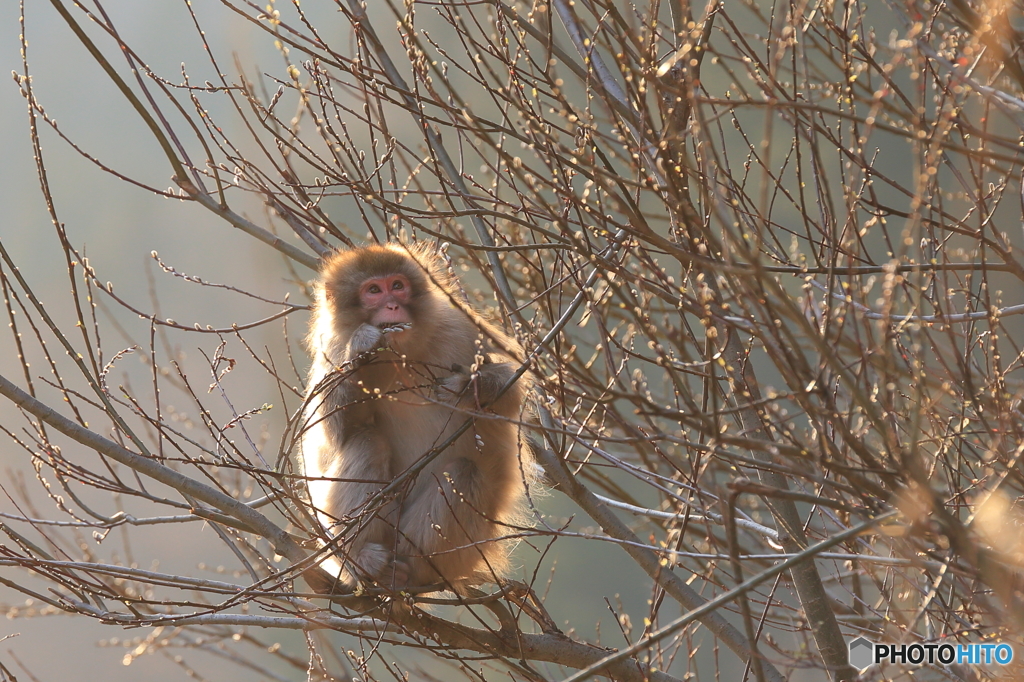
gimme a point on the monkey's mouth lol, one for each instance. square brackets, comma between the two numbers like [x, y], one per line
[396, 327]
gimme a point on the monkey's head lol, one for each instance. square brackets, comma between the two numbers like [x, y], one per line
[383, 286]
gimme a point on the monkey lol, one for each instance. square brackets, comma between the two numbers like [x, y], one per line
[399, 363]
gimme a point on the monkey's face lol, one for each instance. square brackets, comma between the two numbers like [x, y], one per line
[386, 300]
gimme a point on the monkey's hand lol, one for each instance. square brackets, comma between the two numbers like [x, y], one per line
[452, 388]
[476, 389]
[365, 339]
[491, 378]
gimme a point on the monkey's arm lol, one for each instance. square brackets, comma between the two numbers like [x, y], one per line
[349, 402]
[339, 397]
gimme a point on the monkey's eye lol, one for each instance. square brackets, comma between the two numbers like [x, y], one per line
[398, 285]
[373, 289]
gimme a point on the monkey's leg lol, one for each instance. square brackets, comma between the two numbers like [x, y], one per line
[360, 470]
[446, 530]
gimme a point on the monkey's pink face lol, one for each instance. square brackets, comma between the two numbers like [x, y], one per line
[386, 300]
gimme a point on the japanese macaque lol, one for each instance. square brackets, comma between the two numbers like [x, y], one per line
[399, 365]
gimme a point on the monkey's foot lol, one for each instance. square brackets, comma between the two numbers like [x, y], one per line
[379, 564]
[395, 576]
[373, 559]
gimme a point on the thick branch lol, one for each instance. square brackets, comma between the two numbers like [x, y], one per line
[550, 648]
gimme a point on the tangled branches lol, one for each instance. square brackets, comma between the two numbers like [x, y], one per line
[764, 263]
